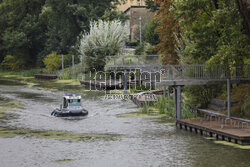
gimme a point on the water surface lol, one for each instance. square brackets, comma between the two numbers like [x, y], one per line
[128, 141]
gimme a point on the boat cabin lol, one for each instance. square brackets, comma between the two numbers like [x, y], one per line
[70, 101]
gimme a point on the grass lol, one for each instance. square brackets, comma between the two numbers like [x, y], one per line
[66, 74]
[145, 108]
[166, 106]
[25, 73]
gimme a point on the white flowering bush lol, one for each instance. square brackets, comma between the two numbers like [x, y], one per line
[105, 38]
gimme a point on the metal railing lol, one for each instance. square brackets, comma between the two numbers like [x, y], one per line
[133, 60]
[177, 72]
[201, 71]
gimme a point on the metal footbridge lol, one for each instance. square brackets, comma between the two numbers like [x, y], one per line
[179, 75]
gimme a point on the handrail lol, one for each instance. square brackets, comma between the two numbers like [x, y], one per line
[222, 115]
[176, 72]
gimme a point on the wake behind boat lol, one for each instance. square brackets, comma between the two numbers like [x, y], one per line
[71, 107]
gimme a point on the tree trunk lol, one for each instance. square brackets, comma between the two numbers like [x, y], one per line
[244, 8]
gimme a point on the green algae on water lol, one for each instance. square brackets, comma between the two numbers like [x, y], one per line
[11, 104]
[63, 160]
[8, 105]
[58, 135]
[164, 120]
[139, 114]
[246, 147]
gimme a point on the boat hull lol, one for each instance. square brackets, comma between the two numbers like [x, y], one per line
[68, 113]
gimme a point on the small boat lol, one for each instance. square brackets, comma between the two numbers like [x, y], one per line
[71, 107]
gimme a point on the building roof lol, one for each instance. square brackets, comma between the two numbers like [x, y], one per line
[126, 10]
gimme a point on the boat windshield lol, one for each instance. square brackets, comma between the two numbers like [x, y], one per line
[74, 103]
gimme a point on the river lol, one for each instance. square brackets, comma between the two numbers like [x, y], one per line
[103, 138]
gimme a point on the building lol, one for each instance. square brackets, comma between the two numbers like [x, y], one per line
[139, 16]
[129, 3]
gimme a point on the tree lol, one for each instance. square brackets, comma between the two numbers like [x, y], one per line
[244, 8]
[151, 35]
[67, 19]
[21, 33]
[213, 32]
[32, 29]
[168, 30]
[104, 38]
[150, 4]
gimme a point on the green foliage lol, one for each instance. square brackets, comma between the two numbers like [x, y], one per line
[64, 27]
[150, 49]
[145, 108]
[212, 32]
[145, 20]
[32, 29]
[245, 108]
[151, 5]
[21, 33]
[166, 106]
[53, 61]
[145, 49]
[199, 96]
[140, 49]
[104, 38]
[12, 63]
[110, 15]
[151, 35]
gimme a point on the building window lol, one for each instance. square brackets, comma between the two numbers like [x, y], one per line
[139, 3]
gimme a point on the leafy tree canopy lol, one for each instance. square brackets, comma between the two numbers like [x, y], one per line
[32, 29]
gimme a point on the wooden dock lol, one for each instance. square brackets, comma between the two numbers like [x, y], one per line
[45, 76]
[223, 129]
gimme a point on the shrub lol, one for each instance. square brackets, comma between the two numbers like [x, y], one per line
[140, 49]
[104, 38]
[245, 109]
[150, 49]
[53, 61]
[199, 96]
[12, 63]
[145, 49]
[166, 106]
[151, 36]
